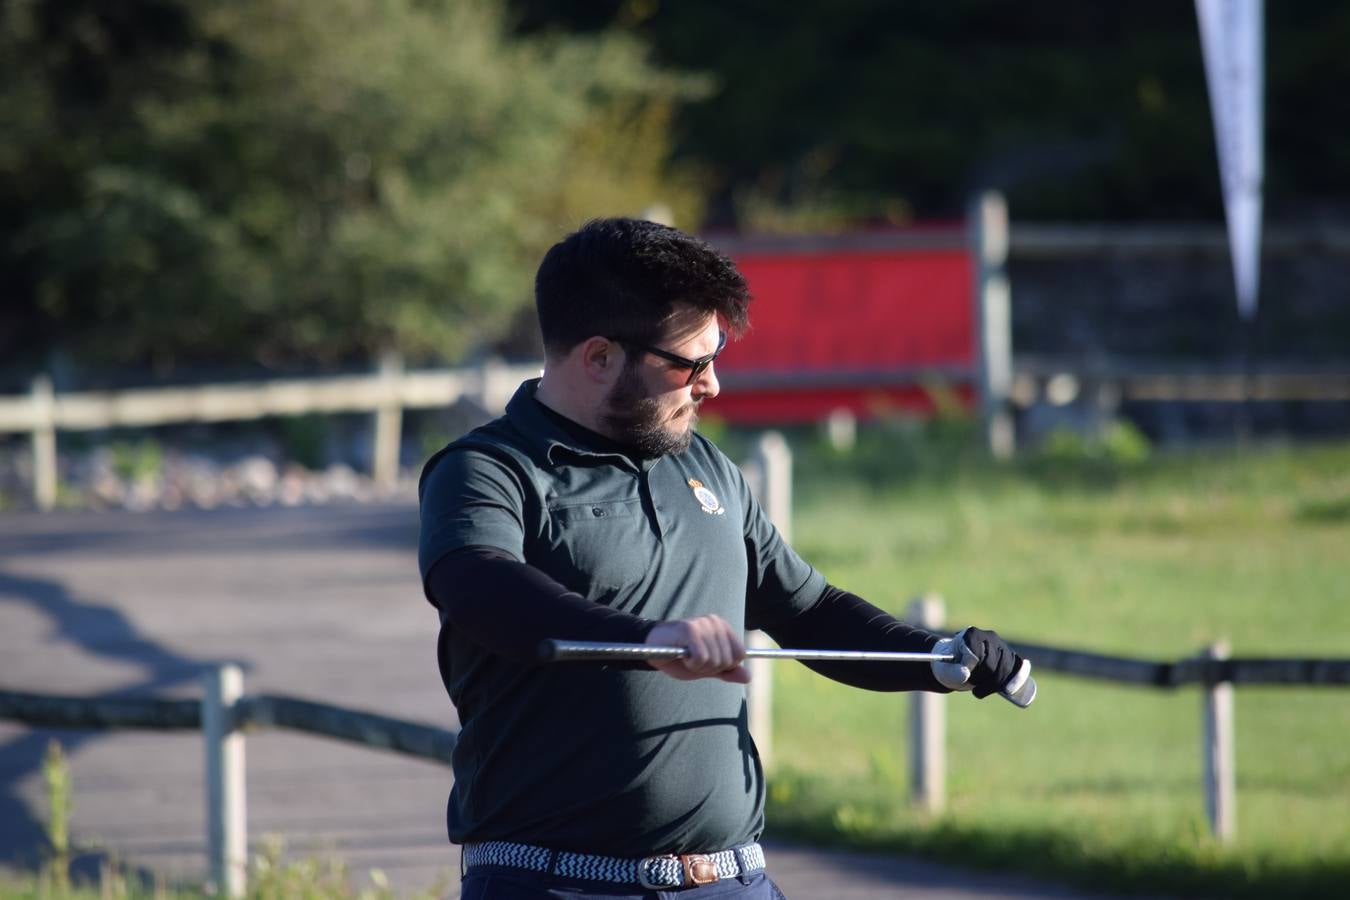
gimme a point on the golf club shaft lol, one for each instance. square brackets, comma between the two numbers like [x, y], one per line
[560, 651]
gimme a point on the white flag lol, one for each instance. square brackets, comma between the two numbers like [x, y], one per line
[1231, 36]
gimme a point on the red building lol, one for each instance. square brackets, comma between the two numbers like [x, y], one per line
[860, 321]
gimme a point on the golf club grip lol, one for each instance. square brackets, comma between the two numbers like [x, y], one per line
[554, 650]
[1021, 688]
[1020, 693]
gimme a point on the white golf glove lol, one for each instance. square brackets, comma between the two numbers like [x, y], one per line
[955, 675]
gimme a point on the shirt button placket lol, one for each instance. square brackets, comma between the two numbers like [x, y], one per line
[649, 502]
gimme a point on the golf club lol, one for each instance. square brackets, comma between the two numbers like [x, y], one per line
[1020, 690]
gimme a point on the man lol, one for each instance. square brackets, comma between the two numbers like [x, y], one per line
[593, 511]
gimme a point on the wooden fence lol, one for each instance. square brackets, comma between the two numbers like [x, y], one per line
[225, 713]
[1212, 669]
[42, 413]
[385, 393]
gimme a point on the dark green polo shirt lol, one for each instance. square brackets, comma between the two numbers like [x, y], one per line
[589, 757]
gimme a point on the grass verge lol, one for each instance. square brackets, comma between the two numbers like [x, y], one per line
[1141, 554]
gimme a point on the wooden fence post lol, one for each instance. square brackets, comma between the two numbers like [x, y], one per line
[774, 459]
[993, 319]
[841, 428]
[497, 384]
[388, 421]
[1220, 766]
[226, 819]
[44, 443]
[927, 722]
[770, 472]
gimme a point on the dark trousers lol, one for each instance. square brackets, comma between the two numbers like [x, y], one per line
[487, 883]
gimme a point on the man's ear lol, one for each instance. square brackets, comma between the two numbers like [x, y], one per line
[601, 359]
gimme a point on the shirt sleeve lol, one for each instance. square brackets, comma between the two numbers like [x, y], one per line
[838, 620]
[469, 498]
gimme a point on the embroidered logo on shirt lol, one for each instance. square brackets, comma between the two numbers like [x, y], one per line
[707, 499]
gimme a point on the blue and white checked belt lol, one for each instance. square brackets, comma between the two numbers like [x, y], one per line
[658, 872]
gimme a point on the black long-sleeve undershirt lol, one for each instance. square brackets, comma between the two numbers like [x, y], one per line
[509, 607]
[840, 620]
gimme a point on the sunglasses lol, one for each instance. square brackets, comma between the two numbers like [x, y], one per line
[696, 367]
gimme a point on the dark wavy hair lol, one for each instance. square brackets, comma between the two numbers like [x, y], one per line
[623, 278]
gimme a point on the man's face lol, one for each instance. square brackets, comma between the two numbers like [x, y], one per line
[653, 407]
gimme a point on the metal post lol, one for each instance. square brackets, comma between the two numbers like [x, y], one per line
[772, 468]
[927, 722]
[388, 421]
[993, 320]
[226, 819]
[44, 442]
[1220, 765]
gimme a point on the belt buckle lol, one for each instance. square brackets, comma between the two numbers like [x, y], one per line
[698, 869]
[645, 880]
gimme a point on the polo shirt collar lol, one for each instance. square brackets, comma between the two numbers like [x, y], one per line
[555, 441]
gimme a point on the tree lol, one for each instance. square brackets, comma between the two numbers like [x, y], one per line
[297, 183]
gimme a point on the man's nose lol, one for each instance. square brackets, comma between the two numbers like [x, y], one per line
[706, 385]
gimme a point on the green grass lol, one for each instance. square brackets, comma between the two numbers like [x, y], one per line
[1096, 782]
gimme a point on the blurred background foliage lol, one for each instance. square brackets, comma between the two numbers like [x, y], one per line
[302, 185]
[878, 110]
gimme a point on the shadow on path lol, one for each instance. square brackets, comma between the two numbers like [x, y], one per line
[101, 631]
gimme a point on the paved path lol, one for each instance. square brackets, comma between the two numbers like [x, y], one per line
[318, 602]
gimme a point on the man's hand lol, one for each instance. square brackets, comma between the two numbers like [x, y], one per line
[986, 662]
[715, 649]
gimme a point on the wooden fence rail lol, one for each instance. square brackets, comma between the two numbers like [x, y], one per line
[275, 710]
[369, 729]
[100, 713]
[1251, 671]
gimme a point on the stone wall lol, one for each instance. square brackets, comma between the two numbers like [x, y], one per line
[1106, 300]
[1127, 296]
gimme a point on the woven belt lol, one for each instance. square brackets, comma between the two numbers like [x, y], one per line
[656, 872]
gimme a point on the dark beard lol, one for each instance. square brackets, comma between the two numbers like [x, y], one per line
[634, 419]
